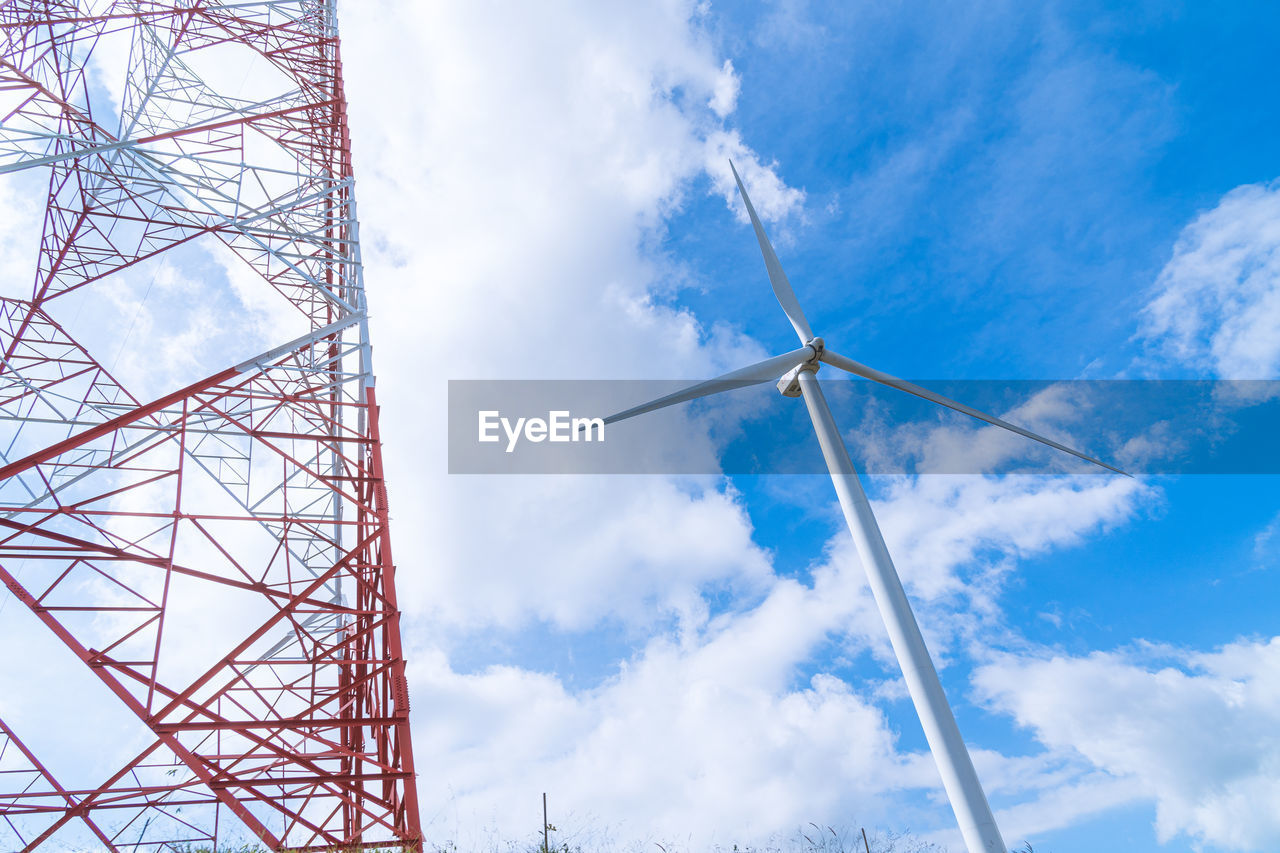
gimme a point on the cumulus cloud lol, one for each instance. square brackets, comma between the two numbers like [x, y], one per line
[955, 538]
[512, 182]
[575, 552]
[1196, 731]
[1216, 304]
[770, 196]
[706, 728]
[955, 542]
[544, 157]
[688, 740]
[940, 525]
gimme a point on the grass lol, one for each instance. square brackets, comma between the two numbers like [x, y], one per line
[809, 839]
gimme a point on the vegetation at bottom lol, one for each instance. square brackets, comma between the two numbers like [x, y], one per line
[809, 839]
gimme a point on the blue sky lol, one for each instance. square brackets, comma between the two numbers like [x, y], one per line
[957, 191]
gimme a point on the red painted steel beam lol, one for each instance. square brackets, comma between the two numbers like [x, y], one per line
[74, 807]
[351, 737]
[72, 442]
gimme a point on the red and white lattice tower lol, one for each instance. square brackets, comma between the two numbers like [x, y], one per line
[218, 556]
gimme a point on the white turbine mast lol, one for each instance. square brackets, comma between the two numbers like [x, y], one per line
[799, 369]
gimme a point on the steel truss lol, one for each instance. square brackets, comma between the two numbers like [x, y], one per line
[261, 483]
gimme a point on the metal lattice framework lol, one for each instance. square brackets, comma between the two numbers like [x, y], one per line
[256, 492]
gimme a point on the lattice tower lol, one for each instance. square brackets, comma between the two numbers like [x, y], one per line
[217, 556]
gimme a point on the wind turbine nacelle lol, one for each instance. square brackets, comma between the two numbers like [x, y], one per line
[789, 384]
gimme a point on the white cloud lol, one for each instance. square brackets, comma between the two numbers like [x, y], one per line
[512, 182]
[576, 551]
[725, 97]
[955, 542]
[789, 22]
[960, 534]
[543, 157]
[770, 196]
[1063, 800]
[688, 743]
[21, 209]
[1197, 732]
[1216, 305]
[955, 537]
[704, 730]
[1266, 544]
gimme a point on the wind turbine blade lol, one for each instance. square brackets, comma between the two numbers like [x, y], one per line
[770, 368]
[859, 369]
[777, 278]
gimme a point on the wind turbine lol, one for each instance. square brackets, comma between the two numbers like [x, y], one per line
[799, 369]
